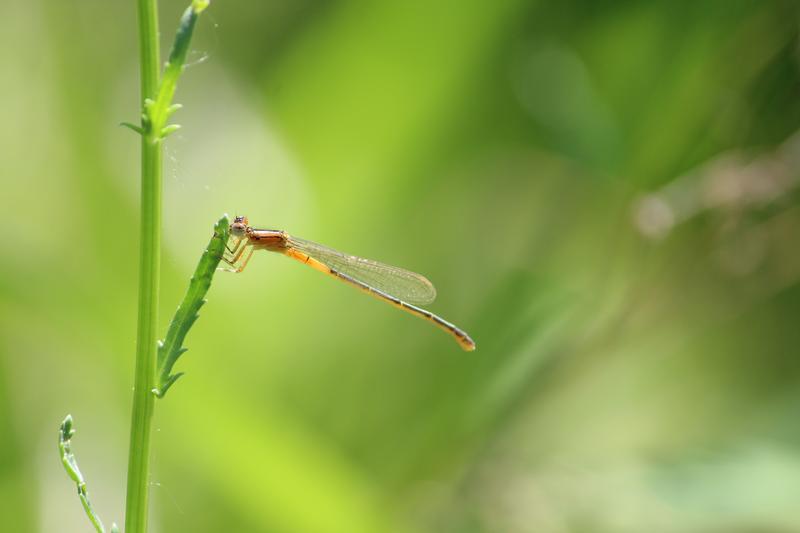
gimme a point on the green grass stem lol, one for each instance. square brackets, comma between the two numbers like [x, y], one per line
[136, 503]
[156, 109]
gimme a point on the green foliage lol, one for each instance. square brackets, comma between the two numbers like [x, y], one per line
[156, 112]
[65, 435]
[171, 348]
[157, 108]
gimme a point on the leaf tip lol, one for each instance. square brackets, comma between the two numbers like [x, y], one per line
[173, 108]
[161, 392]
[166, 131]
[198, 6]
[67, 431]
[133, 127]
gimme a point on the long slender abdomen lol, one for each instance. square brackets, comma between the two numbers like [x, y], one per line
[459, 335]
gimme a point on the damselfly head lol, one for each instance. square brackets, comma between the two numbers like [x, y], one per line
[239, 226]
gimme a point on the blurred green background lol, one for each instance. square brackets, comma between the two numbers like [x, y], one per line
[605, 194]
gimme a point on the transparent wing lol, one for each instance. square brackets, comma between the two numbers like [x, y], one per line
[398, 282]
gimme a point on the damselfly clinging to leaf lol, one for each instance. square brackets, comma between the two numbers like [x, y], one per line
[393, 285]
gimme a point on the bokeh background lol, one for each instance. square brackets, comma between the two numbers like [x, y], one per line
[605, 194]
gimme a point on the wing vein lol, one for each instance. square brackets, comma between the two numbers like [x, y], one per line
[398, 282]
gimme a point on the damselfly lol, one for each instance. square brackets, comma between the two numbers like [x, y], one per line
[393, 285]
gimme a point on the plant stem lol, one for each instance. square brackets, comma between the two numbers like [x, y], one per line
[136, 504]
[71, 466]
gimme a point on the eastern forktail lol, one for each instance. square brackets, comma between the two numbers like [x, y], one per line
[393, 285]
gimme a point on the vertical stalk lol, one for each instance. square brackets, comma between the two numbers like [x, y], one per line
[136, 505]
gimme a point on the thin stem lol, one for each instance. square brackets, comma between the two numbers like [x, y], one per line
[157, 107]
[149, 53]
[136, 504]
[71, 466]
